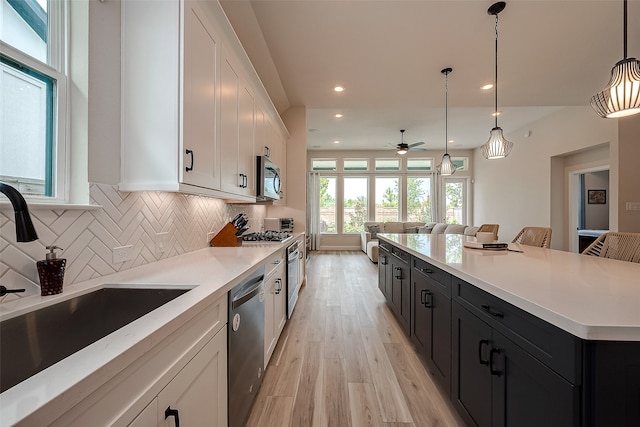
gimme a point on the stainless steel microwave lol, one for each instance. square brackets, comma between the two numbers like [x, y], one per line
[268, 176]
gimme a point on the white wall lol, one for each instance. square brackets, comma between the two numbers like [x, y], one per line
[516, 191]
[295, 119]
[596, 215]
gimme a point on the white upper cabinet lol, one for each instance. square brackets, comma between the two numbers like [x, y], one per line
[237, 113]
[200, 102]
[189, 102]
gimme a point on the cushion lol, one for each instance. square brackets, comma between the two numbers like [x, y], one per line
[412, 225]
[439, 228]
[374, 229]
[471, 231]
[426, 229]
[394, 227]
[455, 229]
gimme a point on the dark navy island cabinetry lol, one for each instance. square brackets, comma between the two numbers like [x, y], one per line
[499, 364]
[431, 318]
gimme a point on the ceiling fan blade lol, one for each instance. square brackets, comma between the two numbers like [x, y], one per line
[417, 149]
[415, 144]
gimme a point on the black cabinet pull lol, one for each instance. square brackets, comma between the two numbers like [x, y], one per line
[398, 274]
[189, 153]
[493, 351]
[425, 270]
[481, 344]
[383, 260]
[278, 286]
[426, 298]
[172, 413]
[492, 312]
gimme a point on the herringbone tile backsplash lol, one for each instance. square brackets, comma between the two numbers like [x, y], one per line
[88, 236]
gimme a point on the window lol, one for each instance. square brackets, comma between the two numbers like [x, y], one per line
[387, 164]
[356, 164]
[387, 199]
[461, 163]
[455, 201]
[328, 204]
[355, 204]
[419, 202]
[33, 146]
[414, 164]
[323, 164]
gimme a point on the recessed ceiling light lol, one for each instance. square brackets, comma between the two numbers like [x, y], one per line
[338, 89]
[336, 142]
[496, 113]
[338, 115]
[487, 86]
[451, 141]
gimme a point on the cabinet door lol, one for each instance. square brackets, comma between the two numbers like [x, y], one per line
[384, 270]
[470, 377]
[199, 392]
[280, 305]
[526, 392]
[431, 327]
[401, 293]
[269, 331]
[246, 153]
[200, 156]
[148, 417]
[231, 181]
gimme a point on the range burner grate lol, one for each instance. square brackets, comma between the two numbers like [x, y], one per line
[266, 236]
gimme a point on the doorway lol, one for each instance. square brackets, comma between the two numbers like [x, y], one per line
[588, 206]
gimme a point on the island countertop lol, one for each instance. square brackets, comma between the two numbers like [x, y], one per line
[590, 297]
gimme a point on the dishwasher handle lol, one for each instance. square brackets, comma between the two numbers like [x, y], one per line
[248, 291]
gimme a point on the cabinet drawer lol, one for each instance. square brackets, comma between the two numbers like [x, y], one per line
[385, 246]
[400, 254]
[274, 262]
[442, 278]
[554, 347]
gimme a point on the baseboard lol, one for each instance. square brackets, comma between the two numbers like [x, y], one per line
[341, 248]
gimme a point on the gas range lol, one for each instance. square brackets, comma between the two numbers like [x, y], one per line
[269, 236]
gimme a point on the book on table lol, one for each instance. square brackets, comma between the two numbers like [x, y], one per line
[491, 245]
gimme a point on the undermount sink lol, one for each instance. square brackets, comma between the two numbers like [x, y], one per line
[33, 341]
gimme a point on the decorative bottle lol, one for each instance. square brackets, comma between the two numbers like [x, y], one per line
[51, 272]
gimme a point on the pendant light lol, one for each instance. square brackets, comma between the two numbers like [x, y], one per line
[497, 146]
[621, 97]
[446, 167]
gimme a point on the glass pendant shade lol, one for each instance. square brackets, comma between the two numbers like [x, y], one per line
[497, 146]
[446, 167]
[621, 97]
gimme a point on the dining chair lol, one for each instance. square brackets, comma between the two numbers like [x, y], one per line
[490, 228]
[616, 245]
[534, 236]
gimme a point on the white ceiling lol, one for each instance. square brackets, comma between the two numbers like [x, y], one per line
[388, 55]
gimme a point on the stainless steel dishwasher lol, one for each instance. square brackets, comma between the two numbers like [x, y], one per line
[245, 345]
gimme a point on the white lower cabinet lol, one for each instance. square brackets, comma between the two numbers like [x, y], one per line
[275, 304]
[197, 395]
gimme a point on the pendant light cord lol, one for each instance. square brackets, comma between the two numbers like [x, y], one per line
[495, 112]
[624, 36]
[446, 113]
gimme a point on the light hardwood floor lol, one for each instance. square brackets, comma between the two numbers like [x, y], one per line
[342, 359]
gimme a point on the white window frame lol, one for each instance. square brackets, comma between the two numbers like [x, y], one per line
[55, 69]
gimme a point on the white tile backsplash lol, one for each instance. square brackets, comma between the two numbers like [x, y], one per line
[88, 236]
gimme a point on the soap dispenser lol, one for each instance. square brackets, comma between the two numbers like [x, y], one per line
[51, 272]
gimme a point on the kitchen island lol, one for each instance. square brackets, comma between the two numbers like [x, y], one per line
[538, 337]
[139, 359]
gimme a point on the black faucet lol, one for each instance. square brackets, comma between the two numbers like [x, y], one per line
[25, 232]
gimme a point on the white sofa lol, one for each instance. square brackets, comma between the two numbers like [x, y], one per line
[369, 243]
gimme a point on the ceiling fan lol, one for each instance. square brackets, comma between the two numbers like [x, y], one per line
[402, 148]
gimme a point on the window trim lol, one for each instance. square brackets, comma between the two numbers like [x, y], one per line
[60, 143]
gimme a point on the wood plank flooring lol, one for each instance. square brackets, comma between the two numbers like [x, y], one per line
[342, 359]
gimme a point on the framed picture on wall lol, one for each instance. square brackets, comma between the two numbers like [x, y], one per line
[596, 197]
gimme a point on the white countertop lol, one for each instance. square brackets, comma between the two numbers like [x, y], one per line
[211, 272]
[592, 298]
